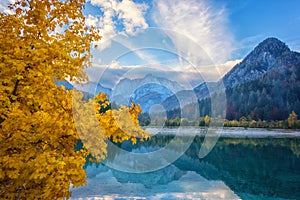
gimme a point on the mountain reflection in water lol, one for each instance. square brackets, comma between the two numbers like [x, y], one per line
[236, 168]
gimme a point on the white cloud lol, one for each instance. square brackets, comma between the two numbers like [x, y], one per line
[115, 65]
[132, 15]
[197, 21]
[128, 13]
[135, 47]
[186, 75]
[200, 22]
[227, 66]
[221, 68]
[217, 71]
[91, 20]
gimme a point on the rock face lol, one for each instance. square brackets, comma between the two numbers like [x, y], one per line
[271, 54]
[146, 91]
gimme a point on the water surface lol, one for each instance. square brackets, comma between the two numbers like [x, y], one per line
[237, 168]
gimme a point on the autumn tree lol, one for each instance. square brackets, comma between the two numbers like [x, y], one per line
[243, 122]
[207, 120]
[39, 42]
[292, 120]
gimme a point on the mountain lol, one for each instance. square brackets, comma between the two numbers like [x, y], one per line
[185, 97]
[266, 84]
[88, 89]
[269, 55]
[94, 88]
[146, 91]
[66, 84]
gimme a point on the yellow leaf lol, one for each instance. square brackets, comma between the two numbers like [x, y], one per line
[18, 11]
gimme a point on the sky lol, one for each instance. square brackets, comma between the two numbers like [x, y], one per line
[180, 34]
[200, 39]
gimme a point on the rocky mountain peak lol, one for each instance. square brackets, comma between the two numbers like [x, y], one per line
[268, 55]
[271, 45]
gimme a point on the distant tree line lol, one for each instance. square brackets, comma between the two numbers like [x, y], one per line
[291, 122]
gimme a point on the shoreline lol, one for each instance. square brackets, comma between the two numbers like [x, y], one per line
[231, 132]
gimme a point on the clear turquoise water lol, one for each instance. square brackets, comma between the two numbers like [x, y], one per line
[252, 168]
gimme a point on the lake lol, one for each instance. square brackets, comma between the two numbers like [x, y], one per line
[263, 165]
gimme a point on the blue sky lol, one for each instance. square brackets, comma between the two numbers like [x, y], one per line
[201, 38]
[222, 31]
[251, 21]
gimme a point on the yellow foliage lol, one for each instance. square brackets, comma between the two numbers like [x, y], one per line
[37, 130]
[122, 124]
[292, 120]
[207, 120]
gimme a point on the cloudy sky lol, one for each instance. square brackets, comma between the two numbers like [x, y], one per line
[198, 39]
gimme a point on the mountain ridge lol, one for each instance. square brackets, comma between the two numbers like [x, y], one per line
[271, 91]
[264, 85]
[270, 54]
[146, 91]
